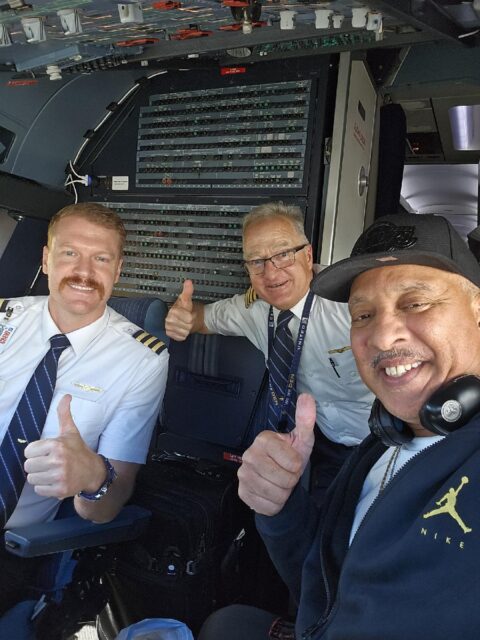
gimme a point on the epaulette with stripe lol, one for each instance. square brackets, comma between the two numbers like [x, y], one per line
[3, 304]
[150, 341]
[250, 296]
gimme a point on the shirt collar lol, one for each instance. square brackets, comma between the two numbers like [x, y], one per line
[80, 338]
[297, 308]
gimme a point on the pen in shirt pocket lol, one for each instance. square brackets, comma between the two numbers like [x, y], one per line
[334, 367]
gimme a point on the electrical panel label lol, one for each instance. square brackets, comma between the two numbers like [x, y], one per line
[119, 183]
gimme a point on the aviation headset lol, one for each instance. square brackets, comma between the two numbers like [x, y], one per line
[447, 409]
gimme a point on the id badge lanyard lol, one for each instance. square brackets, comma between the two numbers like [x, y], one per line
[281, 406]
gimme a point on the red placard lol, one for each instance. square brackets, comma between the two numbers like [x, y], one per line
[230, 71]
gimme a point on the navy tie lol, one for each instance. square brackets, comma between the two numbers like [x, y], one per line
[279, 365]
[27, 424]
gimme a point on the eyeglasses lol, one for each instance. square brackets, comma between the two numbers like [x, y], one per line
[280, 260]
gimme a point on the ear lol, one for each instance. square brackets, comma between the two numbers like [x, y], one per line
[309, 252]
[476, 307]
[45, 260]
[119, 269]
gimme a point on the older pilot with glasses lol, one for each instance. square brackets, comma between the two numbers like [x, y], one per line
[305, 338]
[280, 260]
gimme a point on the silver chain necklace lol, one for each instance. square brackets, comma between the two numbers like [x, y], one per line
[390, 470]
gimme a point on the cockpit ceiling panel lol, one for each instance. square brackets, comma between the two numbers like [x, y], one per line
[67, 33]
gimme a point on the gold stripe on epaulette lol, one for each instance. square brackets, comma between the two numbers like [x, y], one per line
[3, 304]
[150, 341]
[250, 296]
[158, 347]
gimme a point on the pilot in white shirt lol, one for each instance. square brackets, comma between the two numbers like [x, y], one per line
[116, 383]
[327, 368]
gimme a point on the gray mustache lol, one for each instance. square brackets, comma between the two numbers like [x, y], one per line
[395, 353]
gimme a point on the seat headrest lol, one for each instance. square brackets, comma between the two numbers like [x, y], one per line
[147, 313]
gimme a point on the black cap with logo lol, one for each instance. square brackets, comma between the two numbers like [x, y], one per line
[403, 238]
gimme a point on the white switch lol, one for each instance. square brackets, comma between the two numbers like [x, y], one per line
[359, 17]
[337, 20]
[322, 18]
[287, 19]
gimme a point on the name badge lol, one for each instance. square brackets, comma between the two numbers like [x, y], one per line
[6, 331]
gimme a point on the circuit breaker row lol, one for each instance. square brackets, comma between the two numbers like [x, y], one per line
[244, 137]
[167, 243]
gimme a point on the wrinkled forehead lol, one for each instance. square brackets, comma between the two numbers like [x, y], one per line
[269, 234]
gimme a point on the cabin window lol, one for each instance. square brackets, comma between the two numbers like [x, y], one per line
[6, 140]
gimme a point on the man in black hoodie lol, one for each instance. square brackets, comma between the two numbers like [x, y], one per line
[394, 553]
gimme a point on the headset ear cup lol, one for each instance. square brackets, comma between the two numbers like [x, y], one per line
[452, 406]
[447, 409]
[390, 430]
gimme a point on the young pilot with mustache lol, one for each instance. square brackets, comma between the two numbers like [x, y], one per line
[95, 433]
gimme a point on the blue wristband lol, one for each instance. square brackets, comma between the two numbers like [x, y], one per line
[102, 490]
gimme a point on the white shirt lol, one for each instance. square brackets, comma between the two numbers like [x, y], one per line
[380, 474]
[327, 368]
[116, 383]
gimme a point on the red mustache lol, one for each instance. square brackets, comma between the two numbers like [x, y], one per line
[83, 282]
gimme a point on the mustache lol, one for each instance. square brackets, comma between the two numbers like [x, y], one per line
[83, 282]
[396, 353]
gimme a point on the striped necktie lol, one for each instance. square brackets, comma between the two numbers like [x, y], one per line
[279, 365]
[27, 425]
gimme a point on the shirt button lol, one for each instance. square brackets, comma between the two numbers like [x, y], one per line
[353, 374]
[326, 404]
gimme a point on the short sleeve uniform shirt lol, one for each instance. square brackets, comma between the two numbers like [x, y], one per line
[116, 383]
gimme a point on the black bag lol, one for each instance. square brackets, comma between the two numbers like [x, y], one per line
[187, 563]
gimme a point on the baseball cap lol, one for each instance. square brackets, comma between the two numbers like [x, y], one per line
[473, 240]
[403, 238]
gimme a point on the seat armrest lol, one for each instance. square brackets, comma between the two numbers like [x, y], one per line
[76, 533]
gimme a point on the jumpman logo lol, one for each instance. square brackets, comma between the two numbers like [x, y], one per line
[447, 504]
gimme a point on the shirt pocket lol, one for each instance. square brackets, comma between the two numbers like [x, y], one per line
[88, 412]
[342, 366]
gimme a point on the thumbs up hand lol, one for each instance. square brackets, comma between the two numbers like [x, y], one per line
[67, 427]
[302, 438]
[273, 465]
[63, 466]
[180, 320]
[184, 300]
